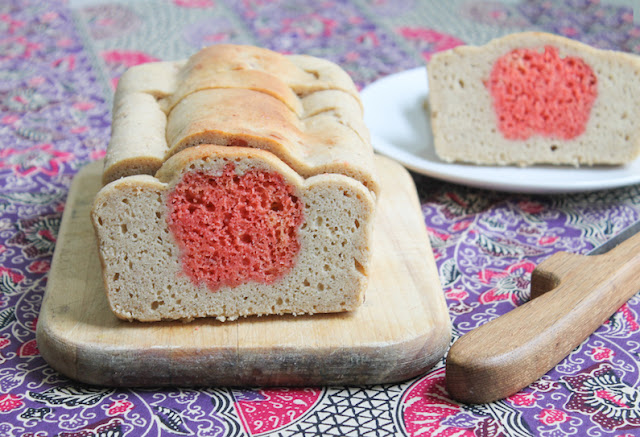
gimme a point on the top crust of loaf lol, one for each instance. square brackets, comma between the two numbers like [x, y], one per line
[161, 108]
[531, 40]
[173, 168]
[464, 122]
[284, 77]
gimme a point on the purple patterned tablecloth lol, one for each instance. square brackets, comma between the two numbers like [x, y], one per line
[59, 62]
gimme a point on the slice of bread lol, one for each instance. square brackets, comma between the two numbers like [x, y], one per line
[535, 98]
[239, 182]
[232, 231]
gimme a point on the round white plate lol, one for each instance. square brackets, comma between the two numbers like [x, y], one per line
[400, 129]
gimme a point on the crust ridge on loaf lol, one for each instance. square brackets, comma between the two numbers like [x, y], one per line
[534, 98]
[145, 273]
[308, 109]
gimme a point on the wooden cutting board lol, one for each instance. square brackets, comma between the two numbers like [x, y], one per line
[401, 330]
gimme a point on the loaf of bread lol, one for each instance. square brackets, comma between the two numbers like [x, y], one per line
[239, 182]
[535, 98]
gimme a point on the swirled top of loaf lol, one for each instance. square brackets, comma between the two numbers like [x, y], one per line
[304, 110]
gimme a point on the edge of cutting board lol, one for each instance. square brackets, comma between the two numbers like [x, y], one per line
[401, 330]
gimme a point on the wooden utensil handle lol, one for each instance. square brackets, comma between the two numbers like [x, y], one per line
[512, 351]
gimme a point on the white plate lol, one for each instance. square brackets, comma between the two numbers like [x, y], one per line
[400, 129]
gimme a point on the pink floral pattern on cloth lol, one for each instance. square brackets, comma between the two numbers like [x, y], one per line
[194, 3]
[118, 61]
[510, 284]
[264, 411]
[428, 41]
[600, 393]
[42, 158]
[58, 67]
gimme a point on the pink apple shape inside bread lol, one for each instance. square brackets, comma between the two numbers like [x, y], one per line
[235, 228]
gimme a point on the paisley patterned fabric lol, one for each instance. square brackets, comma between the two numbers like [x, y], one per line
[59, 62]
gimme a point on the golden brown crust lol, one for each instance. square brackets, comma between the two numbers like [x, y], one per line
[258, 69]
[138, 144]
[178, 163]
[254, 80]
[237, 117]
[303, 109]
[327, 75]
[157, 79]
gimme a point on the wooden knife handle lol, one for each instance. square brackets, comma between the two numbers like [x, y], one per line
[510, 352]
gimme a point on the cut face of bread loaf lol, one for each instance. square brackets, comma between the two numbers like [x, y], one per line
[229, 232]
[239, 182]
[534, 98]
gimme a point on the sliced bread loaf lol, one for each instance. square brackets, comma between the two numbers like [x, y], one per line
[239, 182]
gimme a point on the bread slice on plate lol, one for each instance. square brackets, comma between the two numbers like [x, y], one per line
[535, 98]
